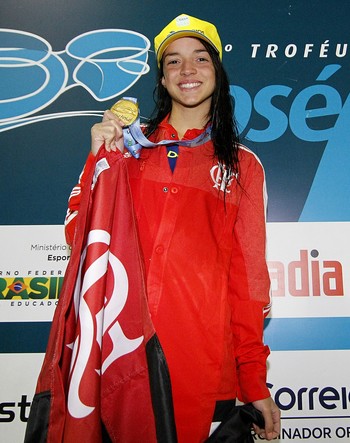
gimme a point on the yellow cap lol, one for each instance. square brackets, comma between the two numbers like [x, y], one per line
[186, 26]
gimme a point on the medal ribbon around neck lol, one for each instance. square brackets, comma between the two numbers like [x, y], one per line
[127, 111]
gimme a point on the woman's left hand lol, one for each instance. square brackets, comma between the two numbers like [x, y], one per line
[272, 417]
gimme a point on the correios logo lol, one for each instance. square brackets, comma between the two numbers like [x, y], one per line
[311, 398]
[27, 288]
[307, 276]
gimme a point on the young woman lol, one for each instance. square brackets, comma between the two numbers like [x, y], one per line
[201, 220]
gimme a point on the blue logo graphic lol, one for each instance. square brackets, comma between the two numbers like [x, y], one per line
[328, 198]
[105, 62]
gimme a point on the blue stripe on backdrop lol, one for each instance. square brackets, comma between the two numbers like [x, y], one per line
[281, 334]
[304, 334]
[27, 337]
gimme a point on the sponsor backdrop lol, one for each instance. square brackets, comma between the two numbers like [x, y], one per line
[63, 63]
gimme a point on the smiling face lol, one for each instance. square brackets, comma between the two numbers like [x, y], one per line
[189, 74]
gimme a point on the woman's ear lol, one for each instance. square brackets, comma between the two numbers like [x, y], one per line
[163, 81]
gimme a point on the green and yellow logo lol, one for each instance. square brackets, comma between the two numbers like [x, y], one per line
[30, 288]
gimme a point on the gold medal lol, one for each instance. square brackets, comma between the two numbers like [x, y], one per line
[126, 110]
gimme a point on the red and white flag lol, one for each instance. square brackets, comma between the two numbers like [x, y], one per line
[104, 376]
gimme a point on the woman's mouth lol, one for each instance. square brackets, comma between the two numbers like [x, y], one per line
[189, 85]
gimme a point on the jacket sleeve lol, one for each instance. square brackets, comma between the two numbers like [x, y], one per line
[250, 283]
[74, 201]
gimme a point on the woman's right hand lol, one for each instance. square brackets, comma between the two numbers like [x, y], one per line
[109, 132]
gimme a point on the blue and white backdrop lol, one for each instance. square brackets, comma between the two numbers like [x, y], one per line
[63, 63]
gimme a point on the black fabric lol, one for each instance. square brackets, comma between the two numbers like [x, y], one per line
[236, 427]
[223, 408]
[38, 422]
[105, 436]
[161, 392]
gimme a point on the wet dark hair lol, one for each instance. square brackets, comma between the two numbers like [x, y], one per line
[225, 136]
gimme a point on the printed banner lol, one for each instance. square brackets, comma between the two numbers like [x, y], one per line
[32, 268]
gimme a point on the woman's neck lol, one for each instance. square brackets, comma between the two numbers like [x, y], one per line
[187, 118]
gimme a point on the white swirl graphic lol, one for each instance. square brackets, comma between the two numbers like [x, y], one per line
[106, 320]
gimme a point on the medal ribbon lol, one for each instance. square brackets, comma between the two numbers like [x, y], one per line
[135, 140]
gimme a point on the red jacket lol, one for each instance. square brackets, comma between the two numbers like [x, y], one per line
[207, 279]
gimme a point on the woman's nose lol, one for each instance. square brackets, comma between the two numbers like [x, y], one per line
[187, 67]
